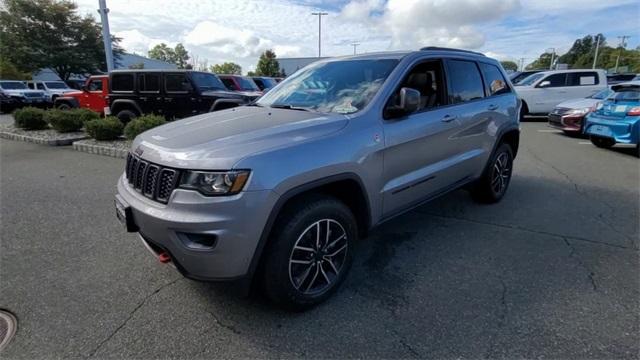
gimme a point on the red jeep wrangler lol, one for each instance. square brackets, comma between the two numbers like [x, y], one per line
[93, 95]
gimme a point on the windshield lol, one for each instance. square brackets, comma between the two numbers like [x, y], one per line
[626, 94]
[206, 81]
[602, 94]
[13, 85]
[247, 84]
[529, 80]
[268, 82]
[56, 85]
[335, 86]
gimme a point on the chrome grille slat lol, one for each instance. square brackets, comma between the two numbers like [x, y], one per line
[153, 181]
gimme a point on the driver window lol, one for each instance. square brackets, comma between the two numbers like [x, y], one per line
[95, 85]
[428, 79]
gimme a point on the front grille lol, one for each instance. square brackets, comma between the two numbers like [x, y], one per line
[555, 119]
[153, 181]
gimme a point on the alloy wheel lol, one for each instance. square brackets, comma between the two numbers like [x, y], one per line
[501, 173]
[318, 256]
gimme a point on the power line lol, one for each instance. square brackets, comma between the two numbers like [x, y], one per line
[319, 15]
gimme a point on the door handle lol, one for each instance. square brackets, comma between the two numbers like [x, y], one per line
[492, 107]
[449, 118]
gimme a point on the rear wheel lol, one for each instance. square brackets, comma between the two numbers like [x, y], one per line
[126, 115]
[601, 142]
[311, 252]
[494, 183]
[63, 106]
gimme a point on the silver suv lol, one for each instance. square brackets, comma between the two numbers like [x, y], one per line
[278, 191]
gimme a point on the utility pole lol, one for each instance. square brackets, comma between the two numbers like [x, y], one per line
[355, 45]
[320, 15]
[522, 64]
[106, 35]
[553, 54]
[595, 58]
[623, 45]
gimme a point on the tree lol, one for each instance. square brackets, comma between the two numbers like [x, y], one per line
[268, 65]
[226, 68]
[36, 34]
[509, 65]
[178, 55]
[251, 73]
[8, 71]
[543, 62]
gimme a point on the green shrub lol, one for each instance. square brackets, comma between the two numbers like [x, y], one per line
[109, 128]
[30, 118]
[142, 124]
[63, 120]
[85, 114]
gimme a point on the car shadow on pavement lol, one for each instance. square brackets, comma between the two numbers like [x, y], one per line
[457, 279]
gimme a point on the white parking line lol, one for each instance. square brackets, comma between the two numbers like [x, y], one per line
[550, 131]
[585, 143]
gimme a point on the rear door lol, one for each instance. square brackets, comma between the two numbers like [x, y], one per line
[179, 96]
[150, 98]
[583, 84]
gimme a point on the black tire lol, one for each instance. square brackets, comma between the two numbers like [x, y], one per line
[285, 283]
[493, 184]
[524, 110]
[64, 106]
[126, 115]
[638, 150]
[601, 142]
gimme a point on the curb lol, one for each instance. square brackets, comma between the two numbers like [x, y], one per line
[37, 140]
[100, 150]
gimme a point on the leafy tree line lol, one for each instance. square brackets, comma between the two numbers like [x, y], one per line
[267, 66]
[36, 34]
[178, 55]
[582, 53]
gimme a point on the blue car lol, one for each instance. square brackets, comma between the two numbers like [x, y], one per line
[617, 118]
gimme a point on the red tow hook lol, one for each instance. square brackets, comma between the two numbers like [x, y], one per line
[164, 258]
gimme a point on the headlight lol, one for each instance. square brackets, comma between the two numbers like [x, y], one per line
[582, 111]
[215, 182]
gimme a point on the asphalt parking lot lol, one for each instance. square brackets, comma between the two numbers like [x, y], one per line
[552, 271]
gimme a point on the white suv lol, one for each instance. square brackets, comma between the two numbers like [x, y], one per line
[51, 89]
[542, 91]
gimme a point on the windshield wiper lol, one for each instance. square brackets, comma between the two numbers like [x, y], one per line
[288, 107]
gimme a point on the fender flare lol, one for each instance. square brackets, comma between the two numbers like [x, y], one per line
[288, 195]
[236, 102]
[125, 103]
[67, 99]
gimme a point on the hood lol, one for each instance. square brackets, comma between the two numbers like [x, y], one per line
[578, 103]
[218, 140]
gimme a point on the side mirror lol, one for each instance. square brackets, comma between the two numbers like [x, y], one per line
[409, 100]
[544, 84]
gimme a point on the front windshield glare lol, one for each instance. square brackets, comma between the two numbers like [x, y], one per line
[529, 80]
[206, 81]
[341, 87]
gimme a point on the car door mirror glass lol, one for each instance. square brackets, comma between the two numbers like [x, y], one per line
[405, 102]
[544, 84]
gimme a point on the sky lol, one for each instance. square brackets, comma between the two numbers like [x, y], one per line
[217, 31]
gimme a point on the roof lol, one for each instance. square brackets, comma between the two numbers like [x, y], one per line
[569, 71]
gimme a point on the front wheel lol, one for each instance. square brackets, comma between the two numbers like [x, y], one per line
[126, 115]
[311, 252]
[495, 180]
[601, 142]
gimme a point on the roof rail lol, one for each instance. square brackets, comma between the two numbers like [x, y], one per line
[437, 48]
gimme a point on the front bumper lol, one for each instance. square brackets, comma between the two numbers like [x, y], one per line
[236, 222]
[571, 123]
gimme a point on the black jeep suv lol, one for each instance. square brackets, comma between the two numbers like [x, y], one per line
[172, 93]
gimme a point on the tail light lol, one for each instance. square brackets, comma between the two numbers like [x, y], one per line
[634, 111]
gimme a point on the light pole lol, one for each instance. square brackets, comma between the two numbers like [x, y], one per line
[623, 44]
[595, 57]
[355, 45]
[106, 35]
[320, 15]
[553, 54]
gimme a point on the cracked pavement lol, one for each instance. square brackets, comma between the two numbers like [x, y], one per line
[552, 271]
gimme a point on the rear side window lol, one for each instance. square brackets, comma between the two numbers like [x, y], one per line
[495, 83]
[556, 80]
[465, 83]
[149, 82]
[585, 78]
[176, 83]
[122, 82]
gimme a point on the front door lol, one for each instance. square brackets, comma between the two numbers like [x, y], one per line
[150, 98]
[93, 95]
[418, 152]
[179, 97]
